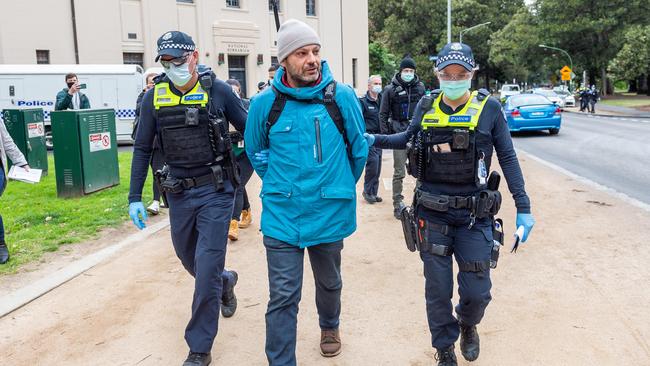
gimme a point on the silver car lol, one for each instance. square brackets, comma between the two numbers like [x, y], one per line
[552, 96]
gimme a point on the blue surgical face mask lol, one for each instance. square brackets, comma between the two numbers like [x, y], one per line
[455, 89]
[179, 75]
[376, 89]
[407, 76]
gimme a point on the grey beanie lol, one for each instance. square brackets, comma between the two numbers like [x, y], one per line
[294, 34]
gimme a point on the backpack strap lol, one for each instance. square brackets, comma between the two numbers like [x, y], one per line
[329, 95]
[276, 109]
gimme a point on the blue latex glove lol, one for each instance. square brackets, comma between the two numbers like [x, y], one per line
[138, 214]
[370, 139]
[262, 157]
[527, 221]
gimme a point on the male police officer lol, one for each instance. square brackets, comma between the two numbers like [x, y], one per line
[397, 104]
[453, 134]
[304, 136]
[370, 106]
[187, 110]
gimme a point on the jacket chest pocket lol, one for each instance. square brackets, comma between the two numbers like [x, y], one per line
[283, 136]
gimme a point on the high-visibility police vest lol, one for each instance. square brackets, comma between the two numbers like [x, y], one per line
[444, 150]
[184, 126]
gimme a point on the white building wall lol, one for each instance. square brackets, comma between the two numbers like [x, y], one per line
[103, 28]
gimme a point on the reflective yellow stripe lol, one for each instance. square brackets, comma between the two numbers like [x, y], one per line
[466, 117]
[163, 96]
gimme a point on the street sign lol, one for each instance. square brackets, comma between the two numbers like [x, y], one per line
[566, 73]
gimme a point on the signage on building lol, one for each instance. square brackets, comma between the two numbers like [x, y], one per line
[237, 48]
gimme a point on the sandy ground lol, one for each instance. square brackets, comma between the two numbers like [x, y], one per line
[575, 294]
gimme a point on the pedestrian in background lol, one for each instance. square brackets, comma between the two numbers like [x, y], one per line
[398, 101]
[241, 214]
[7, 148]
[157, 161]
[304, 136]
[370, 104]
[593, 97]
[71, 97]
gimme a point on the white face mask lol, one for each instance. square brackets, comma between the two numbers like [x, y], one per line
[179, 75]
[376, 89]
[407, 76]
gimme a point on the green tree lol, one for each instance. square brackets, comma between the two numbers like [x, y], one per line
[633, 60]
[382, 62]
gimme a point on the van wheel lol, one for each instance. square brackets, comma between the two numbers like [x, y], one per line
[554, 131]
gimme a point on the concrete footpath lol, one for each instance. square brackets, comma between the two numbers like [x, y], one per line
[575, 294]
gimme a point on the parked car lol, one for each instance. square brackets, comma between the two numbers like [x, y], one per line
[569, 100]
[551, 95]
[508, 90]
[533, 112]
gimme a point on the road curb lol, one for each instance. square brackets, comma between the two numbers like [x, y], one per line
[605, 115]
[33, 291]
[620, 195]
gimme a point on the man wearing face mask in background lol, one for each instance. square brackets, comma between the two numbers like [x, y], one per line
[370, 106]
[453, 134]
[188, 110]
[397, 104]
[71, 97]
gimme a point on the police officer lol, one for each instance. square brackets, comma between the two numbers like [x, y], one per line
[593, 96]
[187, 110]
[584, 99]
[397, 104]
[370, 106]
[452, 137]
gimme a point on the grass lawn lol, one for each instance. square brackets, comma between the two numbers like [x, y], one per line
[36, 221]
[627, 102]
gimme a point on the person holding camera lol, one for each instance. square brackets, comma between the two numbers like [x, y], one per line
[71, 97]
[450, 144]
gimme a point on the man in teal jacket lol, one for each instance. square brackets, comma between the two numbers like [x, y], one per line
[71, 97]
[309, 163]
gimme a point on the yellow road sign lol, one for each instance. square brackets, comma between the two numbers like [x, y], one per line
[566, 76]
[566, 70]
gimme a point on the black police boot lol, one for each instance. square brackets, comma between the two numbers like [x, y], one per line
[4, 253]
[397, 212]
[228, 298]
[446, 356]
[197, 359]
[469, 342]
[378, 199]
[369, 198]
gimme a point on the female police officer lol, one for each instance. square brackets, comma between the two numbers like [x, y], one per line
[187, 109]
[452, 136]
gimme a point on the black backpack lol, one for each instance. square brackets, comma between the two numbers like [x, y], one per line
[329, 101]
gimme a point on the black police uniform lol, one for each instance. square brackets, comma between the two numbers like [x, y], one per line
[370, 109]
[450, 226]
[200, 211]
[397, 105]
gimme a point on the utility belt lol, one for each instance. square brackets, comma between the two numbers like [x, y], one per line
[483, 204]
[169, 184]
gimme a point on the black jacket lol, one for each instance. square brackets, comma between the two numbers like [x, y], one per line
[370, 109]
[398, 101]
[493, 135]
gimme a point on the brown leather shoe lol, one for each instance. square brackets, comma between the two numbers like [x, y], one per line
[330, 342]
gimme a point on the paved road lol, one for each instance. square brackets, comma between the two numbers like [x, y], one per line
[613, 152]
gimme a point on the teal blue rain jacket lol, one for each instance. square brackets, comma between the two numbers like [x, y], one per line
[308, 192]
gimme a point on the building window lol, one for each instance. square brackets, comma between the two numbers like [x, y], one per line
[311, 8]
[185, 1]
[42, 56]
[232, 3]
[274, 60]
[131, 58]
[132, 36]
[279, 6]
[354, 73]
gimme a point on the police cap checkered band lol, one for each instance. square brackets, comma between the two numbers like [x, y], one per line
[175, 44]
[456, 53]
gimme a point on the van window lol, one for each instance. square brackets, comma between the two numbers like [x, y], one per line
[510, 88]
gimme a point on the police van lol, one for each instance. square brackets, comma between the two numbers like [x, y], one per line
[107, 86]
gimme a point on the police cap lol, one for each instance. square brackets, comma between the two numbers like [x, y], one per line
[175, 44]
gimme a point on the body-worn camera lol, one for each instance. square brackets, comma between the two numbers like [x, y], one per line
[460, 140]
[192, 117]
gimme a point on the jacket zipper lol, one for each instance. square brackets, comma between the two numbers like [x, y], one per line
[319, 148]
